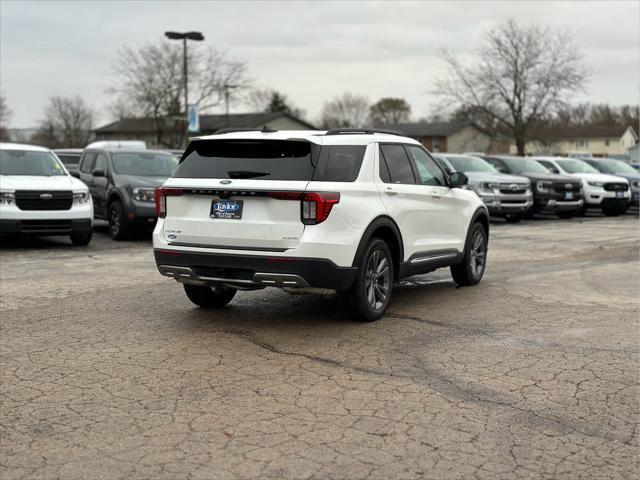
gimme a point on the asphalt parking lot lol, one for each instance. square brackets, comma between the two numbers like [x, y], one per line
[109, 372]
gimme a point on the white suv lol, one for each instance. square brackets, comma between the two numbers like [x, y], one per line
[39, 197]
[346, 210]
[609, 193]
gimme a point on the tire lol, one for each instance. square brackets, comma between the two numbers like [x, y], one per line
[371, 291]
[81, 238]
[513, 218]
[529, 214]
[209, 297]
[471, 269]
[118, 225]
[566, 215]
[583, 210]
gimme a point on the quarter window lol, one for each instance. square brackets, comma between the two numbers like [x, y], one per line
[430, 173]
[396, 161]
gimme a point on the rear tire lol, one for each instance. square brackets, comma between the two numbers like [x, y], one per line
[118, 225]
[81, 238]
[471, 269]
[209, 297]
[371, 291]
[513, 218]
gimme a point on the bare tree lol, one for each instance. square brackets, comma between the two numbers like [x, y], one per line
[5, 116]
[67, 122]
[524, 73]
[390, 111]
[346, 110]
[271, 100]
[151, 83]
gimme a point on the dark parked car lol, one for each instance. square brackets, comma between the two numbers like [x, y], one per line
[122, 183]
[622, 169]
[70, 157]
[559, 194]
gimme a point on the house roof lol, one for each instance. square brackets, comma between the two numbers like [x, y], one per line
[582, 131]
[208, 123]
[424, 129]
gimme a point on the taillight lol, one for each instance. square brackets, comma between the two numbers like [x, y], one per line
[161, 199]
[285, 195]
[316, 206]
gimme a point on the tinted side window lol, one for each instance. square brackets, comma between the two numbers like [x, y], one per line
[429, 172]
[549, 165]
[398, 164]
[87, 162]
[101, 163]
[339, 163]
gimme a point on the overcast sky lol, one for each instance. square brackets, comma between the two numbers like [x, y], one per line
[309, 51]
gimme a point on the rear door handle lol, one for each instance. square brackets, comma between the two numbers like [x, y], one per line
[435, 194]
[390, 191]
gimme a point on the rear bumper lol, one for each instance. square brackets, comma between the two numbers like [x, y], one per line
[44, 227]
[252, 271]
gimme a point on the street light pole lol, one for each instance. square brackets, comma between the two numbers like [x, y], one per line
[184, 36]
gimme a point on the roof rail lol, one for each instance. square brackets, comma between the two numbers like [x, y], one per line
[362, 131]
[250, 129]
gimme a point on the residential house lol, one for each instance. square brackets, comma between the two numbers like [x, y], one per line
[452, 137]
[599, 140]
[169, 132]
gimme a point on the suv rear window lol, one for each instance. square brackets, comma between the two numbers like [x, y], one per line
[256, 159]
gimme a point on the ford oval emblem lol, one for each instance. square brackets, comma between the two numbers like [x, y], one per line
[46, 196]
[225, 182]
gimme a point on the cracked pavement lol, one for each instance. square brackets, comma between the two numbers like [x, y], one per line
[107, 370]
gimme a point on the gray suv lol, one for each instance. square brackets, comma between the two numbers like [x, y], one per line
[507, 196]
[122, 183]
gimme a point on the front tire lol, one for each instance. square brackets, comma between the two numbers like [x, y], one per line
[81, 238]
[209, 297]
[118, 225]
[471, 269]
[371, 291]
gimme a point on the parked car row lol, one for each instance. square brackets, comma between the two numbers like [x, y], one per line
[47, 193]
[517, 187]
[116, 181]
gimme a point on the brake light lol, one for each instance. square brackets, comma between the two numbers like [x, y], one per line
[316, 206]
[161, 199]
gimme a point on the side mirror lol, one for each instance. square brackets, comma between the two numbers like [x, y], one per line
[74, 173]
[98, 172]
[458, 179]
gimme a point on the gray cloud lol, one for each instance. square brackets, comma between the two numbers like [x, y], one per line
[311, 51]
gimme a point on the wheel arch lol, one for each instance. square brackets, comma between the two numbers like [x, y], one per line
[385, 228]
[480, 216]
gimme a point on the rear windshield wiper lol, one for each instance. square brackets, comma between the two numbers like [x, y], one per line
[246, 174]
